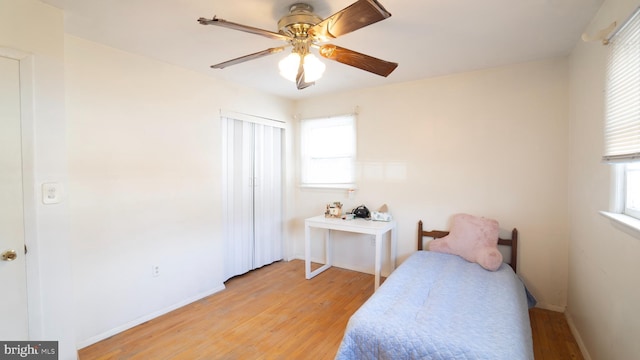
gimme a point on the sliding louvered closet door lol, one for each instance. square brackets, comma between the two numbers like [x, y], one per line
[252, 195]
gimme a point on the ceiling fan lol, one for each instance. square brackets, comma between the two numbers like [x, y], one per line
[304, 30]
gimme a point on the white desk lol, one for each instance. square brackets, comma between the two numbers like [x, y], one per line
[377, 228]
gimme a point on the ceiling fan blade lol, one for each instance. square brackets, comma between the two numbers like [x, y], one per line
[356, 59]
[300, 83]
[245, 28]
[355, 16]
[242, 59]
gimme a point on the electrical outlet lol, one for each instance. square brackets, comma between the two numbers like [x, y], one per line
[155, 270]
[51, 193]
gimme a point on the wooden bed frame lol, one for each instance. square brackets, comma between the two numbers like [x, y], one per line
[436, 234]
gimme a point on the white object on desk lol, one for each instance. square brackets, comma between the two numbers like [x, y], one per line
[358, 226]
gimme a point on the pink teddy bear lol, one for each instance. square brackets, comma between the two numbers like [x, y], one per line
[473, 238]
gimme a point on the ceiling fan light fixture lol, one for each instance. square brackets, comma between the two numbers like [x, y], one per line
[313, 67]
[289, 66]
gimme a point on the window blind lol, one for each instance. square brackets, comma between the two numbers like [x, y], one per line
[622, 94]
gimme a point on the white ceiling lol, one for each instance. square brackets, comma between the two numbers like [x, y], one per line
[426, 37]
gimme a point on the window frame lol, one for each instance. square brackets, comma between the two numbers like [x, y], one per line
[306, 127]
[626, 209]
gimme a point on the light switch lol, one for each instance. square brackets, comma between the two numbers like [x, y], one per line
[51, 193]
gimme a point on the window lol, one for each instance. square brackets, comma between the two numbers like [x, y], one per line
[328, 152]
[622, 112]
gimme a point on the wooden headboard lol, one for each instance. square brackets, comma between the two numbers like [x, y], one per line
[436, 234]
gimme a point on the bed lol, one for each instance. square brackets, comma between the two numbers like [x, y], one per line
[441, 306]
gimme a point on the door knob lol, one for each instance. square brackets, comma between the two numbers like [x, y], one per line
[9, 255]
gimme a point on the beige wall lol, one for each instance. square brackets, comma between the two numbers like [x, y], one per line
[144, 183]
[603, 295]
[490, 143]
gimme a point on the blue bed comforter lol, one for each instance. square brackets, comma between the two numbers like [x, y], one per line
[439, 306]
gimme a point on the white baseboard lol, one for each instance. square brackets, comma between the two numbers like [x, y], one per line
[576, 335]
[555, 308]
[151, 316]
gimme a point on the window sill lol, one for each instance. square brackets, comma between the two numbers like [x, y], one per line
[624, 222]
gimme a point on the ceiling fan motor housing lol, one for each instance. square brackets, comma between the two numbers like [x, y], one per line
[299, 20]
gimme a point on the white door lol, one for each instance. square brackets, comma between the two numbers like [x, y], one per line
[13, 298]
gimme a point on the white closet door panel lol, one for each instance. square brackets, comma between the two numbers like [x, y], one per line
[268, 196]
[276, 195]
[226, 129]
[238, 198]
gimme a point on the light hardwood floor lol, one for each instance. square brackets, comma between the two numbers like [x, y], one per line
[552, 338]
[274, 313]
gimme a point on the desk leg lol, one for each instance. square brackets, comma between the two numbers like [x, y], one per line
[307, 251]
[328, 246]
[394, 244]
[378, 263]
